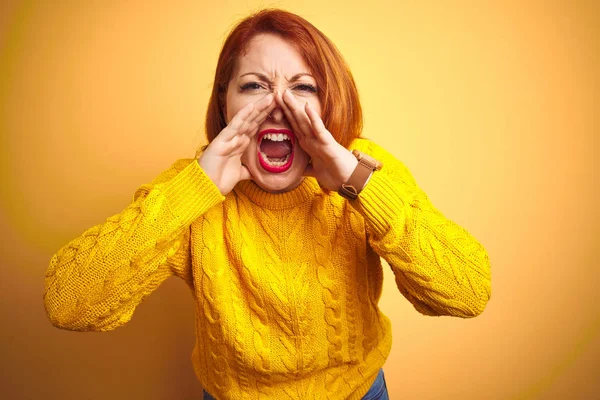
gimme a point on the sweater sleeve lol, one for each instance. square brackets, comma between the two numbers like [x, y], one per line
[96, 281]
[438, 266]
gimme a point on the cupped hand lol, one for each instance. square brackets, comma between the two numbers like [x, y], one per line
[331, 163]
[222, 159]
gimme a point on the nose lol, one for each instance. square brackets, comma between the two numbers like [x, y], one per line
[277, 114]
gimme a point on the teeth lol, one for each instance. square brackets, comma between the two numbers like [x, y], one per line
[275, 163]
[276, 137]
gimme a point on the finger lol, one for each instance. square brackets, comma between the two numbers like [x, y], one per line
[264, 103]
[261, 117]
[253, 120]
[236, 122]
[300, 115]
[316, 122]
[259, 108]
[290, 116]
[300, 133]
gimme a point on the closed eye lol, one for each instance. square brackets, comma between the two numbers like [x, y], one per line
[250, 86]
[305, 87]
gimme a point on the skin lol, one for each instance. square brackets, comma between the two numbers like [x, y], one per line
[272, 78]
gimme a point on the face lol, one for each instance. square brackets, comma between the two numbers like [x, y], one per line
[271, 64]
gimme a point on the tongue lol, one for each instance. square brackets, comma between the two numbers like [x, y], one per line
[276, 149]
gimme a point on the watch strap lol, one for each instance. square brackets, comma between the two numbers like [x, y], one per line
[360, 176]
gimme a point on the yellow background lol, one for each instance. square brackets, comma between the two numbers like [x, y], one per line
[493, 106]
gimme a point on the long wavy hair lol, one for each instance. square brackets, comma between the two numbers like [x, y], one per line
[341, 110]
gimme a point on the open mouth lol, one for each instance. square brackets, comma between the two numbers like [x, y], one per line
[276, 149]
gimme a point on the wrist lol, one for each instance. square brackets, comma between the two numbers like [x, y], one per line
[349, 165]
[365, 167]
[211, 172]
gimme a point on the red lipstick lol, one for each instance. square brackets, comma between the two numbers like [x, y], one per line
[264, 163]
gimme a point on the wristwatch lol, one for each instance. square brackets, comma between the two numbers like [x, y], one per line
[361, 175]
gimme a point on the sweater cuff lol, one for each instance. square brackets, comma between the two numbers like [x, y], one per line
[191, 193]
[380, 203]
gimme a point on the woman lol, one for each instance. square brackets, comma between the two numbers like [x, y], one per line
[278, 229]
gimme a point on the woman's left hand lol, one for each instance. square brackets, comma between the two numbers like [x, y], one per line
[332, 164]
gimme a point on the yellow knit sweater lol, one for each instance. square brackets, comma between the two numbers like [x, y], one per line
[286, 285]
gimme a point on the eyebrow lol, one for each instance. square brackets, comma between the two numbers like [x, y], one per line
[265, 78]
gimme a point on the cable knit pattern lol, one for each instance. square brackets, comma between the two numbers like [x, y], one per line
[242, 236]
[438, 265]
[286, 285]
[212, 295]
[324, 228]
[369, 332]
[96, 281]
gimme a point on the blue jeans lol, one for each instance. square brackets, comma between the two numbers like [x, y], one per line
[378, 390]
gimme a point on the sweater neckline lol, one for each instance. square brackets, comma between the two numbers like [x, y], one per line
[307, 189]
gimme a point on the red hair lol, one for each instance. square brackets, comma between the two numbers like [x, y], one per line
[341, 110]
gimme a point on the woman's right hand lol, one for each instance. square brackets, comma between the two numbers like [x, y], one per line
[222, 159]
